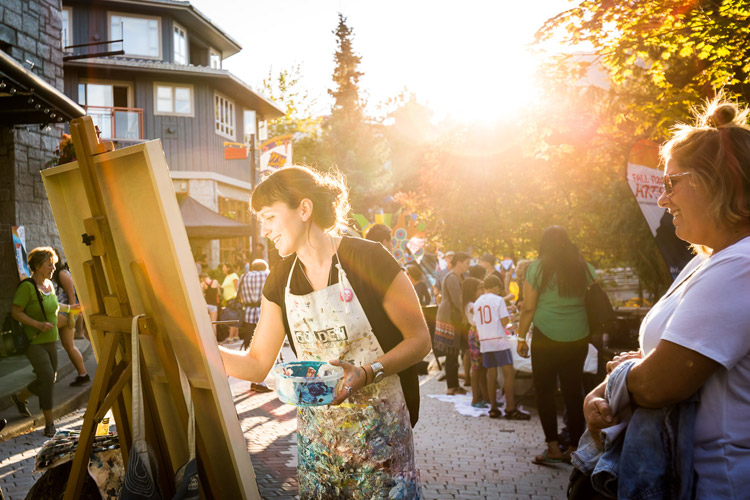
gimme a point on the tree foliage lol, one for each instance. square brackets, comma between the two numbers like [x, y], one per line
[663, 57]
[286, 88]
[355, 145]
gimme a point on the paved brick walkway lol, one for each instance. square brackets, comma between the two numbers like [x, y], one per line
[459, 457]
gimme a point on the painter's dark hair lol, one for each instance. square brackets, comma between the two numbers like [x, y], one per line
[291, 185]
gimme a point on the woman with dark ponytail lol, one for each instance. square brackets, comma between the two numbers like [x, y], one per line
[554, 295]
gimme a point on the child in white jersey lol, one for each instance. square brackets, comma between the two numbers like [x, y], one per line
[491, 316]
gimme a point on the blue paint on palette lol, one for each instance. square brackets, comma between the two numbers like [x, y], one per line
[307, 383]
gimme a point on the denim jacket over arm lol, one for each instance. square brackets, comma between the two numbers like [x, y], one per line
[648, 455]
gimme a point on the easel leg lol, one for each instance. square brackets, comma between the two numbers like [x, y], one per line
[86, 440]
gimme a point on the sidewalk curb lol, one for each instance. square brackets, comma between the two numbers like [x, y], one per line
[78, 397]
[15, 381]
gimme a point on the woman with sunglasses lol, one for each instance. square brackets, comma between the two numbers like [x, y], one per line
[696, 339]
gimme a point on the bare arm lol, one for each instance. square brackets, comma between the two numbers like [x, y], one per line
[530, 299]
[670, 374]
[402, 307]
[67, 283]
[255, 363]
[18, 314]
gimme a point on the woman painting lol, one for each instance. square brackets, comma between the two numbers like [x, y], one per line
[697, 337]
[554, 294]
[347, 301]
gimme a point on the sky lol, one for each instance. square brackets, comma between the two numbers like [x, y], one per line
[464, 59]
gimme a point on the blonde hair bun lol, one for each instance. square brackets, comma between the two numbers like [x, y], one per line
[724, 114]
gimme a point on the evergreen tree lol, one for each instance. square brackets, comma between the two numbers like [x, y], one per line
[355, 145]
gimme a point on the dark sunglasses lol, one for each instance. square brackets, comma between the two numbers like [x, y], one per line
[669, 185]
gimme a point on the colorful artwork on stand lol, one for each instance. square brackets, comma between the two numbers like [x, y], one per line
[275, 153]
[408, 234]
[19, 250]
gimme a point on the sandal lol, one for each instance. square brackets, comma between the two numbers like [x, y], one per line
[545, 459]
[479, 404]
[495, 413]
[517, 414]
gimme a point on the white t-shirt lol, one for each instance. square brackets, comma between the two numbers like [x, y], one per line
[710, 313]
[489, 309]
[470, 313]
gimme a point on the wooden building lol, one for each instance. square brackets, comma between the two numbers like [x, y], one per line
[152, 69]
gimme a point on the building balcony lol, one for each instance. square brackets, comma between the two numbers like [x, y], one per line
[121, 124]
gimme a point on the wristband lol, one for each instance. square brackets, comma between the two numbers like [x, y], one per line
[68, 308]
[522, 339]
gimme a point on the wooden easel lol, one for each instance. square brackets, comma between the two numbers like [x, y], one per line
[109, 306]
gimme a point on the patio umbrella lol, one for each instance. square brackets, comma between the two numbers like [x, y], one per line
[203, 223]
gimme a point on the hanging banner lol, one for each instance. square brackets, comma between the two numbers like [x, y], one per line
[275, 153]
[235, 151]
[646, 183]
[19, 249]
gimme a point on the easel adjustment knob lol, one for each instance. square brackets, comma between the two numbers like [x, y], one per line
[88, 240]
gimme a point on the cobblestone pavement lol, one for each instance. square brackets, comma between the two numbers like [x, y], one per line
[459, 457]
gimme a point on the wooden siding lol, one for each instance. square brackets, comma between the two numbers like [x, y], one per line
[189, 143]
[90, 24]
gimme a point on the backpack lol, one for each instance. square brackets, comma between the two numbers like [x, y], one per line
[13, 327]
[20, 339]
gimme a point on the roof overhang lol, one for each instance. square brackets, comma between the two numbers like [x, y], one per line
[26, 99]
[203, 223]
[221, 79]
[188, 16]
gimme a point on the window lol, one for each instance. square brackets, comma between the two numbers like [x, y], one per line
[140, 35]
[224, 116]
[173, 99]
[229, 248]
[67, 28]
[107, 103]
[214, 59]
[180, 45]
[262, 130]
[248, 118]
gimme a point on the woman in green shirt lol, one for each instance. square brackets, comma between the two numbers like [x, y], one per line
[554, 298]
[40, 325]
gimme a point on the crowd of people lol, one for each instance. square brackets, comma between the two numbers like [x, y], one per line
[682, 397]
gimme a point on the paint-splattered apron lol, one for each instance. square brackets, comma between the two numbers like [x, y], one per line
[362, 449]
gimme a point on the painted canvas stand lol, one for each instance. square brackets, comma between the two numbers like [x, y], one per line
[128, 252]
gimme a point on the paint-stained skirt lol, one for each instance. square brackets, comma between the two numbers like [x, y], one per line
[359, 450]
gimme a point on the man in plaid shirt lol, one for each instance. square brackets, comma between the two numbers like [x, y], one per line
[250, 293]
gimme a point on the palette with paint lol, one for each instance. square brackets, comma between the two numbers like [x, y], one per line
[307, 383]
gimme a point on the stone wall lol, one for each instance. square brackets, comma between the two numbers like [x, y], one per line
[29, 30]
